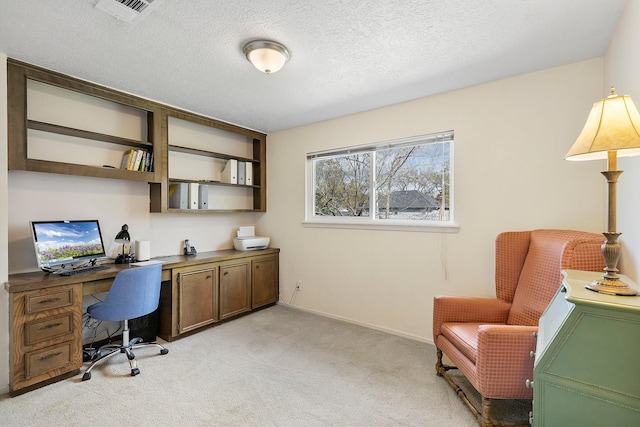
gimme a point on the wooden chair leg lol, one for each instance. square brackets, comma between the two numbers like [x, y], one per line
[485, 414]
[439, 366]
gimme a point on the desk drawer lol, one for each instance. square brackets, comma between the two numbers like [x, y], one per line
[45, 329]
[42, 361]
[42, 302]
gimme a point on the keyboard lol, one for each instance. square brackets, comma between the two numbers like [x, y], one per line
[84, 270]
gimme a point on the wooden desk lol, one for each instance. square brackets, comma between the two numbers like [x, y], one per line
[45, 310]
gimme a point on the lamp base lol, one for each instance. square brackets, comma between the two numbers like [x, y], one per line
[124, 259]
[612, 287]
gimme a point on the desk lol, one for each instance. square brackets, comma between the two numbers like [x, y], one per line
[45, 310]
[585, 370]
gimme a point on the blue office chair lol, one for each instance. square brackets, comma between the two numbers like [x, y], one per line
[135, 292]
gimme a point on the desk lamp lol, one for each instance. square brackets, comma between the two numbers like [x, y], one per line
[612, 130]
[124, 238]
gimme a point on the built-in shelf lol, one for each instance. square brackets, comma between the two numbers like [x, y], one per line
[79, 133]
[156, 121]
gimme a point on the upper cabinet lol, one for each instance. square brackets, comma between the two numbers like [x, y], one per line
[60, 124]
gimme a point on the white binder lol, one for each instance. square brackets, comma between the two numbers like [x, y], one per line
[178, 198]
[193, 195]
[248, 173]
[230, 173]
[241, 172]
[203, 197]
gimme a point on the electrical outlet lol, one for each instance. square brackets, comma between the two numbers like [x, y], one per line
[298, 285]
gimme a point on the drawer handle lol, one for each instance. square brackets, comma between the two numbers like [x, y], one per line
[53, 325]
[257, 267]
[528, 383]
[209, 277]
[49, 301]
[51, 356]
[226, 272]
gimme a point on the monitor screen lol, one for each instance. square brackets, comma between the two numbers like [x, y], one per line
[65, 242]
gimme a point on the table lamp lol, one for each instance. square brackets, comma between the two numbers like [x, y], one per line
[124, 238]
[611, 131]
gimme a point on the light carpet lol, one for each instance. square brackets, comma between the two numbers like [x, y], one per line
[277, 367]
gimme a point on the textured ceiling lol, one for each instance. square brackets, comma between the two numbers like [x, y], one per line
[346, 55]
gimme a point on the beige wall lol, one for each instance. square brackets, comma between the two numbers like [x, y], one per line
[510, 140]
[622, 70]
[4, 297]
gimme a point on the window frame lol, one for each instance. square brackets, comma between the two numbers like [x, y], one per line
[371, 222]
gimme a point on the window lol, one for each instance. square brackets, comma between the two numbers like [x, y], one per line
[403, 182]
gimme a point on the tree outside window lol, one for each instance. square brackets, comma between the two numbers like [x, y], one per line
[406, 180]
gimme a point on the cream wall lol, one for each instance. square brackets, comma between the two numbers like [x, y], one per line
[4, 296]
[622, 70]
[510, 139]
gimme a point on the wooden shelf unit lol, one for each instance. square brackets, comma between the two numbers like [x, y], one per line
[157, 141]
[18, 124]
[257, 140]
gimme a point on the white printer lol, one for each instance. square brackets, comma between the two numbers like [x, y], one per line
[246, 240]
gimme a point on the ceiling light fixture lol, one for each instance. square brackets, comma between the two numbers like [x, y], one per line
[266, 55]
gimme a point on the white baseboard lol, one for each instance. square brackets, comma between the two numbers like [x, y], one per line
[356, 322]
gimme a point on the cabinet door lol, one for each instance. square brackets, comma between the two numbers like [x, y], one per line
[235, 296]
[197, 298]
[264, 281]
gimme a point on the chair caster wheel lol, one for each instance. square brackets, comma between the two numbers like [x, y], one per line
[86, 376]
[164, 351]
[131, 356]
[134, 372]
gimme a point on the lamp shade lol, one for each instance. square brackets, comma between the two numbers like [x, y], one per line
[612, 125]
[123, 235]
[267, 56]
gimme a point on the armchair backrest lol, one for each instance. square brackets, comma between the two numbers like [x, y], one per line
[529, 264]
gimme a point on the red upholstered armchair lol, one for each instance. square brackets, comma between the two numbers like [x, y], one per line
[489, 340]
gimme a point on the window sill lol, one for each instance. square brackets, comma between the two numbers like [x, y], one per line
[385, 226]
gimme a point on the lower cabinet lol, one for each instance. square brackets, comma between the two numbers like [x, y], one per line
[264, 281]
[235, 289]
[197, 298]
[46, 335]
[216, 289]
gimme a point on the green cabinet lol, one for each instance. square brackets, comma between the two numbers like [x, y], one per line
[585, 371]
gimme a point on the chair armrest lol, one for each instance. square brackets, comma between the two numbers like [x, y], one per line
[503, 362]
[467, 309]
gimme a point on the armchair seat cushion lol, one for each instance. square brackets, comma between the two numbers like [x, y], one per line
[464, 336]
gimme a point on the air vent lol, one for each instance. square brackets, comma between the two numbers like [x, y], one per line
[128, 10]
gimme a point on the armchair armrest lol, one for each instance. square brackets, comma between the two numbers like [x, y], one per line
[467, 309]
[504, 363]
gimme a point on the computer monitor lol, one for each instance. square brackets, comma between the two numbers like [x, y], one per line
[66, 242]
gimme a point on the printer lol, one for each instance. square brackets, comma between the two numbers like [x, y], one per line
[246, 240]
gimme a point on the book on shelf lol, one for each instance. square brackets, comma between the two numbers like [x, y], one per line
[136, 164]
[127, 159]
[137, 160]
